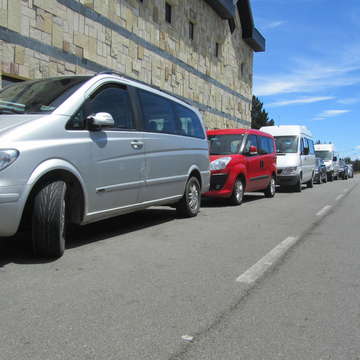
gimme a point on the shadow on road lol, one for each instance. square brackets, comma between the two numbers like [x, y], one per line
[18, 249]
[219, 202]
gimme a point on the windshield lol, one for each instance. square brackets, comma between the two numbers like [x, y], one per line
[324, 154]
[39, 96]
[286, 144]
[225, 144]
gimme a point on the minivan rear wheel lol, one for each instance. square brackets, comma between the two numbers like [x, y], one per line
[237, 195]
[49, 220]
[189, 205]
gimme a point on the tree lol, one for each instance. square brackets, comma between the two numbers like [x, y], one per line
[259, 117]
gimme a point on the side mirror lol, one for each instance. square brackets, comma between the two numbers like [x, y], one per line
[334, 158]
[253, 150]
[100, 120]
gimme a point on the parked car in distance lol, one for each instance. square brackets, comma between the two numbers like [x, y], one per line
[326, 152]
[320, 175]
[80, 149]
[350, 170]
[295, 155]
[343, 170]
[241, 160]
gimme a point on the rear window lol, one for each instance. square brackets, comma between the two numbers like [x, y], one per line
[225, 144]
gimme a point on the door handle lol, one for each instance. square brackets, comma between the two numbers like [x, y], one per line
[261, 164]
[136, 144]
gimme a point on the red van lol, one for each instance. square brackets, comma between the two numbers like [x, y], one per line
[241, 160]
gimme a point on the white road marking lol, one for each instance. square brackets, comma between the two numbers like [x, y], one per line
[339, 197]
[256, 271]
[346, 190]
[324, 210]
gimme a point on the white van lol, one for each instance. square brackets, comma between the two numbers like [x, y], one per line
[326, 153]
[295, 155]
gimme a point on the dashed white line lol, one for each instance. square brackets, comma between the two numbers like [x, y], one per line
[256, 271]
[324, 210]
[339, 197]
[346, 190]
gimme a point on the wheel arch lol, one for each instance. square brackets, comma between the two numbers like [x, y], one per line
[54, 170]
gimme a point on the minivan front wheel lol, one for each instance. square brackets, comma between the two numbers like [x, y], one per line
[237, 195]
[49, 220]
[189, 205]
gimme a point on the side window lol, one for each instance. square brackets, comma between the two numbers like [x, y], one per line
[302, 146]
[250, 141]
[311, 146]
[306, 147]
[158, 113]
[188, 122]
[270, 142]
[263, 145]
[112, 99]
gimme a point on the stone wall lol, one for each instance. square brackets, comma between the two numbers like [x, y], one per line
[42, 38]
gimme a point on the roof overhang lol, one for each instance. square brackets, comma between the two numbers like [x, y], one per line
[226, 9]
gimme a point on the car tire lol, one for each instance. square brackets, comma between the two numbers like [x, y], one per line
[325, 179]
[310, 183]
[237, 195]
[298, 186]
[49, 220]
[189, 205]
[271, 189]
[331, 177]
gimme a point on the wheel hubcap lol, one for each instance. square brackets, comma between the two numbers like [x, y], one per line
[239, 191]
[272, 186]
[193, 197]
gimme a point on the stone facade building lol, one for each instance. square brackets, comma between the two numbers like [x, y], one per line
[199, 50]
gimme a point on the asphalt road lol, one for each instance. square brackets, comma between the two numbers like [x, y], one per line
[133, 286]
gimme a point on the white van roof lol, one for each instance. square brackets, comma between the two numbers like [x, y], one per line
[324, 147]
[283, 130]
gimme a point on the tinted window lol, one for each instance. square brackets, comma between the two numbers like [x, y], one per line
[265, 145]
[225, 144]
[250, 141]
[188, 122]
[112, 99]
[158, 113]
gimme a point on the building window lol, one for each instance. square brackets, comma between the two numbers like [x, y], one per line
[217, 49]
[191, 30]
[168, 13]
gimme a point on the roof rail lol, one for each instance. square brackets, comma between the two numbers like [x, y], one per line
[110, 72]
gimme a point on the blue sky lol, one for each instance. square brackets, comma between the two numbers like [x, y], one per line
[310, 72]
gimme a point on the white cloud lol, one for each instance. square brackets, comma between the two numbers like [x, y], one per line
[348, 101]
[312, 76]
[330, 113]
[272, 25]
[357, 147]
[307, 100]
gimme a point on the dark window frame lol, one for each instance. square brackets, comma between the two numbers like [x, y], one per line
[168, 13]
[191, 30]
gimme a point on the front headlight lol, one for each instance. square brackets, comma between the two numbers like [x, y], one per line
[289, 171]
[7, 157]
[220, 163]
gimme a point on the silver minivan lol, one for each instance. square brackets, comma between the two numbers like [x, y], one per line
[78, 149]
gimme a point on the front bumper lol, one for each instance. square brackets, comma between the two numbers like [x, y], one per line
[219, 185]
[11, 207]
[287, 180]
